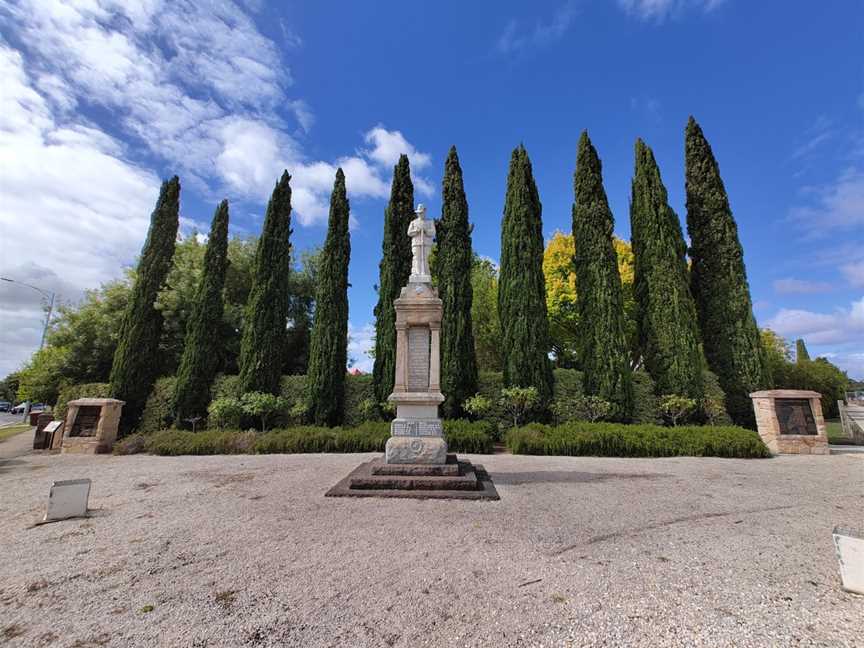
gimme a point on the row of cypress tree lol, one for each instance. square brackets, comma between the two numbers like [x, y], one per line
[688, 319]
[265, 334]
[674, 304]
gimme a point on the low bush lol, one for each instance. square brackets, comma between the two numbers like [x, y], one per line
[474, 437]
[462, 436]
[157, 412]
[618, 440]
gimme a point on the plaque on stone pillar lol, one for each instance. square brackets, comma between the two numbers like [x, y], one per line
[418, 358]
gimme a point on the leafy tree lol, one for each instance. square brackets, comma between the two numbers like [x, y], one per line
[224, 413]
[9, 387]
[265, 337]
[303, 283]
[394, 270]
[262, 405]
[135, 364]
[674, 407]
[200, 360]
[719, 281]
[37, 380]
[801, 354]
[518, 402]
[454, 264]
[561, 302]
[478, 406]
[328, 359]
[521, 288]
[666, 314]
[485, 322]
[602, 352]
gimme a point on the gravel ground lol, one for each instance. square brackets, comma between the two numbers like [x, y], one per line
[246, 551]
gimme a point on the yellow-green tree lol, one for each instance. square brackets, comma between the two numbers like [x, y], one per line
[560, 276]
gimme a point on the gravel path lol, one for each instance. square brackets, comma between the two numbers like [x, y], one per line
[246, 551]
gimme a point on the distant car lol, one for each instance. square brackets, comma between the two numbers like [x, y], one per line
[35, 407]
[5, 406]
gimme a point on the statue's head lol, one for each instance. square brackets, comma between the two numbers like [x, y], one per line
[421, 211]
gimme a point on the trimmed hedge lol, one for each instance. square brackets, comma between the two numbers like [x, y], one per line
[462, 436]
[617, 440]
[473, 437]
[158, 411]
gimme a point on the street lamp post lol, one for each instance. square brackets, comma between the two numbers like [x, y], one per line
[50, 296]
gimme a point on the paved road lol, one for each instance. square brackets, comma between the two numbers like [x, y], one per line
[10, 419]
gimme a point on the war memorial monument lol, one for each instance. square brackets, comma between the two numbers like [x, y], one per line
[416, 462]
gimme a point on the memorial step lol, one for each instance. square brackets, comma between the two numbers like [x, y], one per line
[423, 470]
[465, 480]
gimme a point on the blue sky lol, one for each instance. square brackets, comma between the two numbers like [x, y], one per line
[103, 98]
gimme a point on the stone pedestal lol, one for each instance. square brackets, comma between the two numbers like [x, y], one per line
[91, 426]
[417, 436]
[790, 421]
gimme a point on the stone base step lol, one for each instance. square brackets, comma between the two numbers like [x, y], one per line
[470, 482]
[451, 467]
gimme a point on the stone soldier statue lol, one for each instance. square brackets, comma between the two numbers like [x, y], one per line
[422, 233]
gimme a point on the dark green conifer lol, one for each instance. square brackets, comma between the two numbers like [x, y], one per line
[525, 340]
[265, 336]
[801, 354]
[328, 349]
[454, 263]
[394, 270]
[665, 311]
[602, 352]
[202, 346]
[719, 281]
[136, 359]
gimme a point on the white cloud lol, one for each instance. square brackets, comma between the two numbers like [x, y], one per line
[854, 273]
[791, 286]
[843, 326]
[515, 39]
[72, 211]
[836, 206]
[659, 10]
[202, 88]
[361, 340]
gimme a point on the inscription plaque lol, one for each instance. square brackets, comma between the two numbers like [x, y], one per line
[418, 358]
[795, 416]
[417, 428]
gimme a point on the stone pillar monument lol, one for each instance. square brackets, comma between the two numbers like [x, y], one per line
[416, 463]
[416, 433]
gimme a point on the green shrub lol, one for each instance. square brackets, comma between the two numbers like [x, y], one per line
[73, 392]
[618, 440]
[469, 436]
[358, 390]
[158, 411]
[182, 442]
[519, 402]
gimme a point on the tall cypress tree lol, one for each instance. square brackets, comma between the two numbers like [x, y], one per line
[801, 354]
[328, 350]
[202, 346]
[454, 263]
[136, 365]
[602, 352]
[265, 336]
[719, 281]
[394, 270]
[525, 340]
[665, 311]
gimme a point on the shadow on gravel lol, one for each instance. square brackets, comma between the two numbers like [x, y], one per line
[566, 477]
[9, 465]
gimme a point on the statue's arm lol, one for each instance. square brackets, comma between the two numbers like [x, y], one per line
[412, 229]
[431, 230]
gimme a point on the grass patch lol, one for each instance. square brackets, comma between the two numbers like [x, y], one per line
[12, 430]
[834, 429]
[461, 436]
[618, 440]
